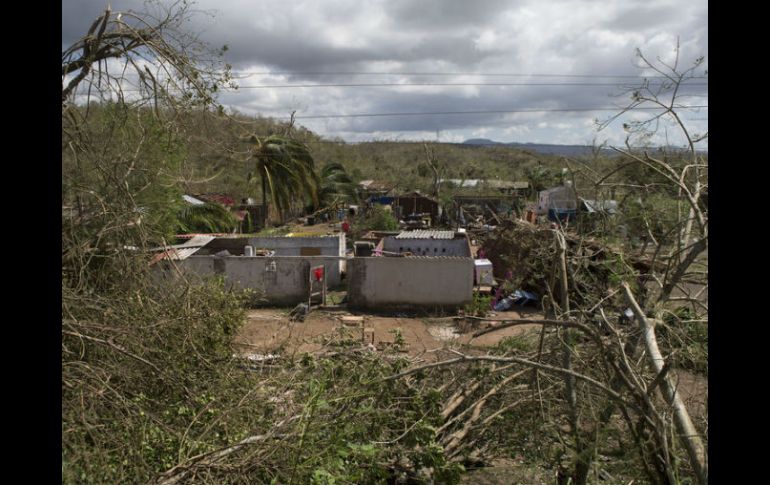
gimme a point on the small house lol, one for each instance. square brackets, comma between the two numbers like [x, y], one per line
[375, 188]
[426, 243]
[415, 203]
[559, 203]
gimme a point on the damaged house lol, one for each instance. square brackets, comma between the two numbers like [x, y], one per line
[559, 203]
[413, 269]
[279, 268]
[416, 204]
[410, 269]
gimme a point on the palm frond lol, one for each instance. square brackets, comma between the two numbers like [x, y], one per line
[207, 217]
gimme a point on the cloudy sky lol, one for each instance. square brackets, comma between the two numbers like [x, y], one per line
[515, 70]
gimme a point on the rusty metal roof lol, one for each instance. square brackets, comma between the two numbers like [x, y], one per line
[179, 252]
[426, 234]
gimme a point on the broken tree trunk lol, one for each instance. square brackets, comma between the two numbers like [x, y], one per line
[687, 432]
[582, 462]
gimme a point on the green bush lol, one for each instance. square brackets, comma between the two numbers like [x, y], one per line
[378, 219]
[685, 337]
[480, 306]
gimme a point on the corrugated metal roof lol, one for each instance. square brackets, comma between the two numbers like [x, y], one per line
[376, 185]
[174, 254]
[197, 241]
[439, 258]
[426, 234]
[609, 206]
[211, 234]
[179, 252]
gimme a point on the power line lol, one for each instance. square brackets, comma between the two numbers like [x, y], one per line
[533, 110]
[490, 74]
[362, 85]
[521, 146]
[236, 89]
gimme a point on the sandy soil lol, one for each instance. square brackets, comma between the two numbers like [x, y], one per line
[270, 331]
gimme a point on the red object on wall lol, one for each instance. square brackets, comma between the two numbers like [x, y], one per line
[319, 273]
[345, 227]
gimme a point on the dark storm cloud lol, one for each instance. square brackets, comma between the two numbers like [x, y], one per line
[431, 15]
[487, 36]
[78, 15]
[643, 17]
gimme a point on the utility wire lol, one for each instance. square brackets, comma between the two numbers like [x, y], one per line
[533, 110]
[362, 85]
[236, 89]
[490, 74]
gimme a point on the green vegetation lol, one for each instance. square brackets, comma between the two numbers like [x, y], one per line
[153, 390]
[336, 186]
[481, 305]
[286, 170]
[209, 217]
[376, 219]
[685, 337]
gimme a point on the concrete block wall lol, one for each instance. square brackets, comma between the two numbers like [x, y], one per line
[292, 246]
[384, 283]
[459, 247]
[281, 280]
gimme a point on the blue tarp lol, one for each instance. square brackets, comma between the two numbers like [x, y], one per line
[518, 297]
[381, 200]
[562, 214]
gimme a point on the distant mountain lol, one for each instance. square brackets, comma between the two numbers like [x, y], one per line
[545, 149]
[481, 141]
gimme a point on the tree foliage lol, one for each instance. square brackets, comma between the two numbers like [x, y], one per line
[208, 217]
[287, 171]
[153, 393]
[336, 186]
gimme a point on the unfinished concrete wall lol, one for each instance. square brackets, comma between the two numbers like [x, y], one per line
[282, 280]
[304, 246]
[381, 282]
[292, 246]
[458, 247]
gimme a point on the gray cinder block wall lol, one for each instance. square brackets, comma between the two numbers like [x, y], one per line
[383, 283]
[281, 280]
[293, 246]
[458, 247]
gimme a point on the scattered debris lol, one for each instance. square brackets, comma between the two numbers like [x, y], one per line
[261, 357]
[352, 321]
[299, 312]
[518, 297]
[626, 317]
[443, 332]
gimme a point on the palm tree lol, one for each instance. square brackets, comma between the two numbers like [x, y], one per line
[336, 185]
[539, 177]
[286, 170]
[209, 217]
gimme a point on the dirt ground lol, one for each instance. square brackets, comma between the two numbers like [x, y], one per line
[270, 331]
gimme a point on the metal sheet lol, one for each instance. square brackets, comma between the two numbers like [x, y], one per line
[426, 234]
